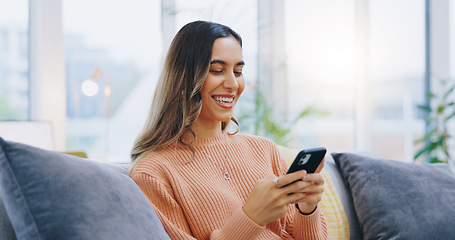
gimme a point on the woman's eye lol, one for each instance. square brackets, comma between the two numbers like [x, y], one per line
[216, 72]
[238, 73]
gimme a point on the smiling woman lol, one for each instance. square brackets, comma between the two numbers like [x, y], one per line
[207, 183]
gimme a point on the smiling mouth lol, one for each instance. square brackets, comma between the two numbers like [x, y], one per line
[224, 100]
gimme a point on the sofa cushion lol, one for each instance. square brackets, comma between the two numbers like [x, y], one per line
[398, 200]
[6, 230]
[50, 195]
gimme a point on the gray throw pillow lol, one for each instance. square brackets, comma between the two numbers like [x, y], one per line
[6, 230]
[50, 195]
[398, 200]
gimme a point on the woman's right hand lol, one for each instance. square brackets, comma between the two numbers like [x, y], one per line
[269, 200]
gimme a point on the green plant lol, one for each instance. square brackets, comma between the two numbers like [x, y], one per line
[261, 121]
[435, 141]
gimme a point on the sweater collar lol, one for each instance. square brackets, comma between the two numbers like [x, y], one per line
[211, 140]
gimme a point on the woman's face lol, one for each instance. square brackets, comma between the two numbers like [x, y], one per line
[224, 83]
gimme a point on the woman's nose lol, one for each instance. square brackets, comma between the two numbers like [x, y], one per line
[230, 82]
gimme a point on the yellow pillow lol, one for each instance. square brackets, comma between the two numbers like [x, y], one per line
[330, 205]
[77, 154]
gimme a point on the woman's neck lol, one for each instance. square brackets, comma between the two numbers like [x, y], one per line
[204, 130]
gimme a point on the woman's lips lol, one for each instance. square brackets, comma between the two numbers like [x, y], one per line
[225, 101]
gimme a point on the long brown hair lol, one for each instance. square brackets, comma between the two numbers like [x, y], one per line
[177, 100]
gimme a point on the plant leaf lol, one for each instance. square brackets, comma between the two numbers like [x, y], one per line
[425, 108]
[446, 95]
[309, 111]
[427, 136]
[430, 95]
[435, 160]
[440, 109]
[420, 153]
[450, 116]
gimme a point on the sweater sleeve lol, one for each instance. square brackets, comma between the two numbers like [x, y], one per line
[238, 226]
[301, 226]
[160, 195]
[297, 225]
[164, 204]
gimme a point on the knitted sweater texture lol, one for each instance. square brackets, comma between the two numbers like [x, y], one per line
[194, 200]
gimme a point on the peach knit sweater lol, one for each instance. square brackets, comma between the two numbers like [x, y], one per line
[194, 201]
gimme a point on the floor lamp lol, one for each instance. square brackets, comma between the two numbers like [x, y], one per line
[90, 87]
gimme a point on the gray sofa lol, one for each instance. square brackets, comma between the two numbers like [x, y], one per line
[48, 195]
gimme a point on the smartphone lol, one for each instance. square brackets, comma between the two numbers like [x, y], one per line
[308, 159]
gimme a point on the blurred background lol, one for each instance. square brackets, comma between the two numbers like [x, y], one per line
[343, 74]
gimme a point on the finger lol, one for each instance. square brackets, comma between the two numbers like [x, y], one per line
[274, 181]
[295, 187]
[296, 197]
[304, 187]
[316, 178]
[312, 199]
[290, 178]
[312, 189]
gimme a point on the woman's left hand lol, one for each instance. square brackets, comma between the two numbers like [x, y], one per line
[313, 193]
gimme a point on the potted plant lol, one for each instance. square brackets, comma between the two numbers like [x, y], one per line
[437, 139]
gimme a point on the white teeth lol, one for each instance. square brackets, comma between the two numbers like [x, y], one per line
[224, 99]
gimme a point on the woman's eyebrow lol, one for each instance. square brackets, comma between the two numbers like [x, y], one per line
[224, 63]
[218, 61]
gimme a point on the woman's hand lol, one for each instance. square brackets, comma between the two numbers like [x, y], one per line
[269, 199]
[313, 193]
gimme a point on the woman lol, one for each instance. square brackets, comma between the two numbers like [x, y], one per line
[203, 182]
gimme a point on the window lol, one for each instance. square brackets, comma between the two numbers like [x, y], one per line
[118, 45]
[397, 75]
[361, 62]
[14, 84]
[320, 48]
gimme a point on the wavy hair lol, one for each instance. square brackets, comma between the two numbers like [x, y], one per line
[177, 101]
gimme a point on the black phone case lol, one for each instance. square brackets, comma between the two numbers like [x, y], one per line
[308, 159]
